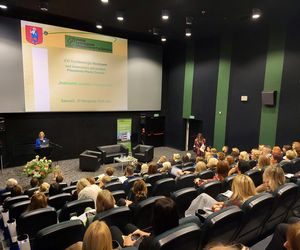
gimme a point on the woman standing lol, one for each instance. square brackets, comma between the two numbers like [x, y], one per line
[199, 145]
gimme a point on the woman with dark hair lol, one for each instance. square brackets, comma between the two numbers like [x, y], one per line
[54, 189]
[199, 145]
[37, 201]
[165, 217]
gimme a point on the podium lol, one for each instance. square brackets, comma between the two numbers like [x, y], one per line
[44, 152]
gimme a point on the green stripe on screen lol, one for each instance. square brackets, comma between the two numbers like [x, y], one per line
[188, 82]
[222, 92]
[273, 78]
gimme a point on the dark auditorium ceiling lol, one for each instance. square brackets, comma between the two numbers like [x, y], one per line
[210, 17]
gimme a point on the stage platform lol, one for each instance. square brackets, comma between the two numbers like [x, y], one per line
[71, 170]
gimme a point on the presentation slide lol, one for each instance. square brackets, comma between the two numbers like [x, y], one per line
[72, 70]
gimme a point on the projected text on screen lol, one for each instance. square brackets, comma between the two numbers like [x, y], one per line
[72, 70]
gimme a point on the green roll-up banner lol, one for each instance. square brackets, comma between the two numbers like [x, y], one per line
[124, 132]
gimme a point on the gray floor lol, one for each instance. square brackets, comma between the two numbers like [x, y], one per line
[70, 169]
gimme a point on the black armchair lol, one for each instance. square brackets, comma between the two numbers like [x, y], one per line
[144, 153]
[90, 160]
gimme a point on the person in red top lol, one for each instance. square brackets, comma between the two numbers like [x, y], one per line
[199, 145]
[222, 173]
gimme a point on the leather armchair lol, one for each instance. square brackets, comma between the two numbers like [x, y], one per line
[144, 153]
[90, 160]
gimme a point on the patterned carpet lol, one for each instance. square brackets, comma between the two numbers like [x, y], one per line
[71, 171]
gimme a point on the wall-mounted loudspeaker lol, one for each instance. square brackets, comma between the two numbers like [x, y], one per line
[269, 98]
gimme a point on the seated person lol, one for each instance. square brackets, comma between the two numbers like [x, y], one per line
[37, 201]
[176, 172]
[59, 178]
[34, 182]
[220, 156]
[129, 174]
[230, 161]
[54, 189]
[242, 189]
[16, 191]
[222, 172]
[44, 188]
[240, 168]
[263, 163]
[109, 171]
[200, 167]
[212, 163]
[161, 160]
[185, 159]
[164, 218]
[244, 156]
[166, 167]
[225, 150]
[85, 190]
[10, 183]
[276, 158]
[144, 169]
[139, 192]
[273, 177]
[176, 159]
[289, 155]
[255, 153]
[104, 180]
[152, 169]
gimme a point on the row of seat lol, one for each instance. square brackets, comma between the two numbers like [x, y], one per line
[255, 220]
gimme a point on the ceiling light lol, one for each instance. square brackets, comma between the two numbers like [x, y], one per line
[188, 32]
[189, 20]
[99, 26]
[104, 1]
[120, 16]
[256, 14]
[3, 6]
[44, 6]
[163, 39]
[155, 31]
[165, 14]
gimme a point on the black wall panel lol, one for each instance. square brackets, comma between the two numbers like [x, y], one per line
[205, 85]
[246, 78]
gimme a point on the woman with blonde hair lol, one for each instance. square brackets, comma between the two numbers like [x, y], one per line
[242, 189]
[44, 188]
[263, 162]
[244, 156]
[105, 201]
[200, 167]
[86, 190]
[96, 237]
[212, 163]
[166, 167]
[273, 177]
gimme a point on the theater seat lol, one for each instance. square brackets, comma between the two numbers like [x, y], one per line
[31, 191]
[117, 216]
[73, 183]
[188, 164]
[74, 208]
[59, 200]
[255, 175]
[288, 167]
[69, 189]
[118, 195]
[142, 216]
[212, 188]
[11, 200]
[252, 163]
[207, 174]
[154, 177]
[62, 185]
[183, 237]
[114, 186]
[255, 212]
[184, 181]
[3, 196]
[60, 236]
[164, 187]
[31, 222]
[285, 197]
[16, 209]
[183, 199]
[296, 167]
[131, 182]
[189, 168]
[227, 182]
[221, 226]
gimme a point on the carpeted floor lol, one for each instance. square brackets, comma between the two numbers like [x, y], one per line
[70, 169]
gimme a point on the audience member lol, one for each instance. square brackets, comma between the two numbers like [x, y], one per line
[91, 180]
[240, 168]
[34, 182]
[37, 201]
[255, 153]
[242, 189]
[273, 177]
[166, 167]
[230, 161]
[86, 190]
[220, 246]
[162, 159]
[290, 155]
[44, 188]
[200, 167]
[104, 180]
[263, 162]
[16, 191]
[221, 156]
[285, 148]
[144, 169]
[54, 189]
[59, 179]
[185, 159]
[176, 159]
[129, 174]
[276, 150]
[212, 163]
[225, 150]
[10, 183]
[276, 158]
[266, 151]
[109, 171]
[152, 169]
[244, 156]
[139, 192]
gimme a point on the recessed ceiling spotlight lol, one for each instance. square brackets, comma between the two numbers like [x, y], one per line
[43, 6]
[104, 1]
[203, 12]
[189, 20]
[155, 31]
[3, 6]
[256, 14]
[99, 26]
[120, 16]
[165, 14]
[163, 39]
[188, 32]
